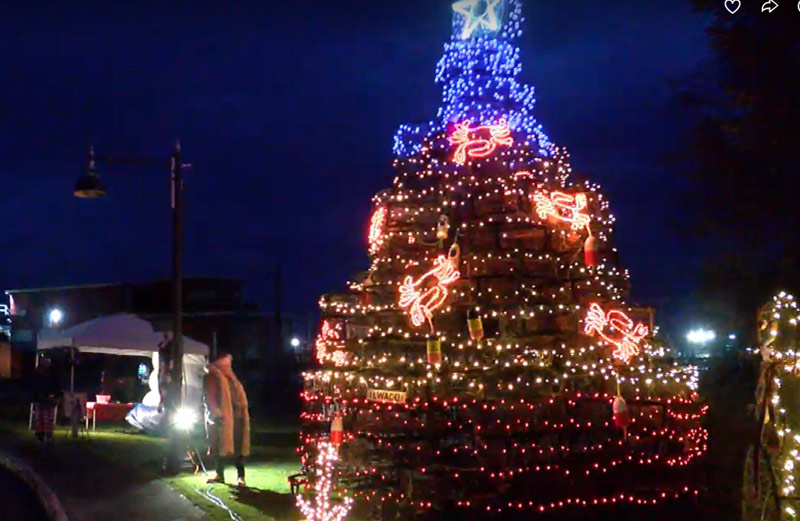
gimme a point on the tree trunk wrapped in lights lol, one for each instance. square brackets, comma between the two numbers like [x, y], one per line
[772, 467]
[534, 346]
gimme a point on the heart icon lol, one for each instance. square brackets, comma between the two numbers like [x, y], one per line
[733, 5]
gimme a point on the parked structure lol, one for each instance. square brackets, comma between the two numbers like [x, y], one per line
[215, 313]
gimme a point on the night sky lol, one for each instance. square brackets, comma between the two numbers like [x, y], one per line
[287, 111]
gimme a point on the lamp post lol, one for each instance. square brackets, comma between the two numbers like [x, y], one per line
[89, 186]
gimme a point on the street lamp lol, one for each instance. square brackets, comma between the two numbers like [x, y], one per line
[89, 186]
[55, 317]
[295, 342]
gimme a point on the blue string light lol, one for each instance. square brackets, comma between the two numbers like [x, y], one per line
[478, 74]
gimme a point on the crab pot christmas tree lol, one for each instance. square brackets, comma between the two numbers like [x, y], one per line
[487, 361]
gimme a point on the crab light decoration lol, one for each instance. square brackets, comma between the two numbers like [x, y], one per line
[479, 141]
[563, 207]
[616, 328]
[426, 294]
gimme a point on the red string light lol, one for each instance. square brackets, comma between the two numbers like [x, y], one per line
[322, 508]
[621, 498]
[690, 444]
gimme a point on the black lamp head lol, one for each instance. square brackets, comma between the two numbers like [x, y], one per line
[89, 185]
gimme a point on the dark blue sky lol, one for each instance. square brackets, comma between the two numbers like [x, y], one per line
[287, 112]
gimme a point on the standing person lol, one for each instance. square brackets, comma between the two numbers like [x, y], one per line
[227, 417]
[45, 395]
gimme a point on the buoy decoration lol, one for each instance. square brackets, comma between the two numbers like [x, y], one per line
[590, 253]
[337, 430]
[455, 254]
[434, 350]
[443, 228]
[475, 324]
[621, 414]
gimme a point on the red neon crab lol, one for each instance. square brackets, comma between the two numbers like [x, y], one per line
[622, 331]
[563, 207]
[480, 141]
[429, 292]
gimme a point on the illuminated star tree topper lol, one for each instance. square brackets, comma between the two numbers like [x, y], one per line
[481, 16]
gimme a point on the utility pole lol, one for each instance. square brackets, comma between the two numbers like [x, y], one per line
[177, 275]
[175, 397]
[89, 186]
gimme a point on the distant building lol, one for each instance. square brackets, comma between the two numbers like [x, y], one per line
[10, 360]
[214, 312]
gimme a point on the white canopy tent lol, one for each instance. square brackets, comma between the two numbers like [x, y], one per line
[130, 335]
[122, 334]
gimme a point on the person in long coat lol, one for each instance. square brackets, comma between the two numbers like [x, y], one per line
[227, 417]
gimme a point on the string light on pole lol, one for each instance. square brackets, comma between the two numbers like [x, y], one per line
[322, 509]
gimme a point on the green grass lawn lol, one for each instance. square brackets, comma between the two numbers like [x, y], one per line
[266, 498]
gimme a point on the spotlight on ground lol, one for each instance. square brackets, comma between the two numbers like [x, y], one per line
[185, 419]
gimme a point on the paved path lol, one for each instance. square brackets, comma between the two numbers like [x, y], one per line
[152, 501]
[91, 488]
[17, 501]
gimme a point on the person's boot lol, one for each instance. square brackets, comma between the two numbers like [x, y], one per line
[241, 483]
[218, 479]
